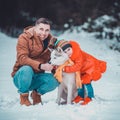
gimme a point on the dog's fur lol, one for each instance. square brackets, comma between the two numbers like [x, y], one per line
[67, 88]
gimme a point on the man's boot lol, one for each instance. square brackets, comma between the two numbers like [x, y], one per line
[36, 97]
[24, 99]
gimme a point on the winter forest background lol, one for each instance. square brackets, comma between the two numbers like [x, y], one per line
[65, 14]
[95, 24]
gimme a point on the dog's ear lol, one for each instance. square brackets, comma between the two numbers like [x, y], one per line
[59, 49]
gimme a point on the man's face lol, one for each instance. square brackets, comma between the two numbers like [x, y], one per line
[42, 30]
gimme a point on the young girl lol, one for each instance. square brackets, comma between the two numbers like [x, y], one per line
[91, 69]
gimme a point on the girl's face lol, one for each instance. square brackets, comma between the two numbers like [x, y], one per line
[42, 30]
[68, 51]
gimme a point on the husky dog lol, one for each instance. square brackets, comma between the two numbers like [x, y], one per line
[67, 89]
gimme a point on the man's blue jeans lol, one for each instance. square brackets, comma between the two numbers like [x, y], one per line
[26, 80]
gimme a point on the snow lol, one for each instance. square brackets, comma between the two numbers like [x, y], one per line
[105, 105]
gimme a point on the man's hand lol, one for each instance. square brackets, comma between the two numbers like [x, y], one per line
[46, 67]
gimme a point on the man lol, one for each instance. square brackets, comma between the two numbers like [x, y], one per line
[32, 61]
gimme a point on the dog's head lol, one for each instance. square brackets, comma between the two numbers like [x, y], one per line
[58, 57]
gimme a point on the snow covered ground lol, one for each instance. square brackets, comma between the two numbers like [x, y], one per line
[105, 105]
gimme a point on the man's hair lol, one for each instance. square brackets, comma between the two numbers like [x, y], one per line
[44, 21]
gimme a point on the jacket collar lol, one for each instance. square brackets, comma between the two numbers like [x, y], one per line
[28, 31]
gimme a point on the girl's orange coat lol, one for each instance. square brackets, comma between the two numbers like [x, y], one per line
[89, 67]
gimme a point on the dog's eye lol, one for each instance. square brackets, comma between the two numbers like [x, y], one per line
[57, 55]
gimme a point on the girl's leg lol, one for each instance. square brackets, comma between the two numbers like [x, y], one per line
[81, 91]
[90, 91]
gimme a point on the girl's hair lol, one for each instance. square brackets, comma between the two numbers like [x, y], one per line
[44, 21]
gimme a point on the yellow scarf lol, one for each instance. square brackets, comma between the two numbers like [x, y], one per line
[58, 73]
